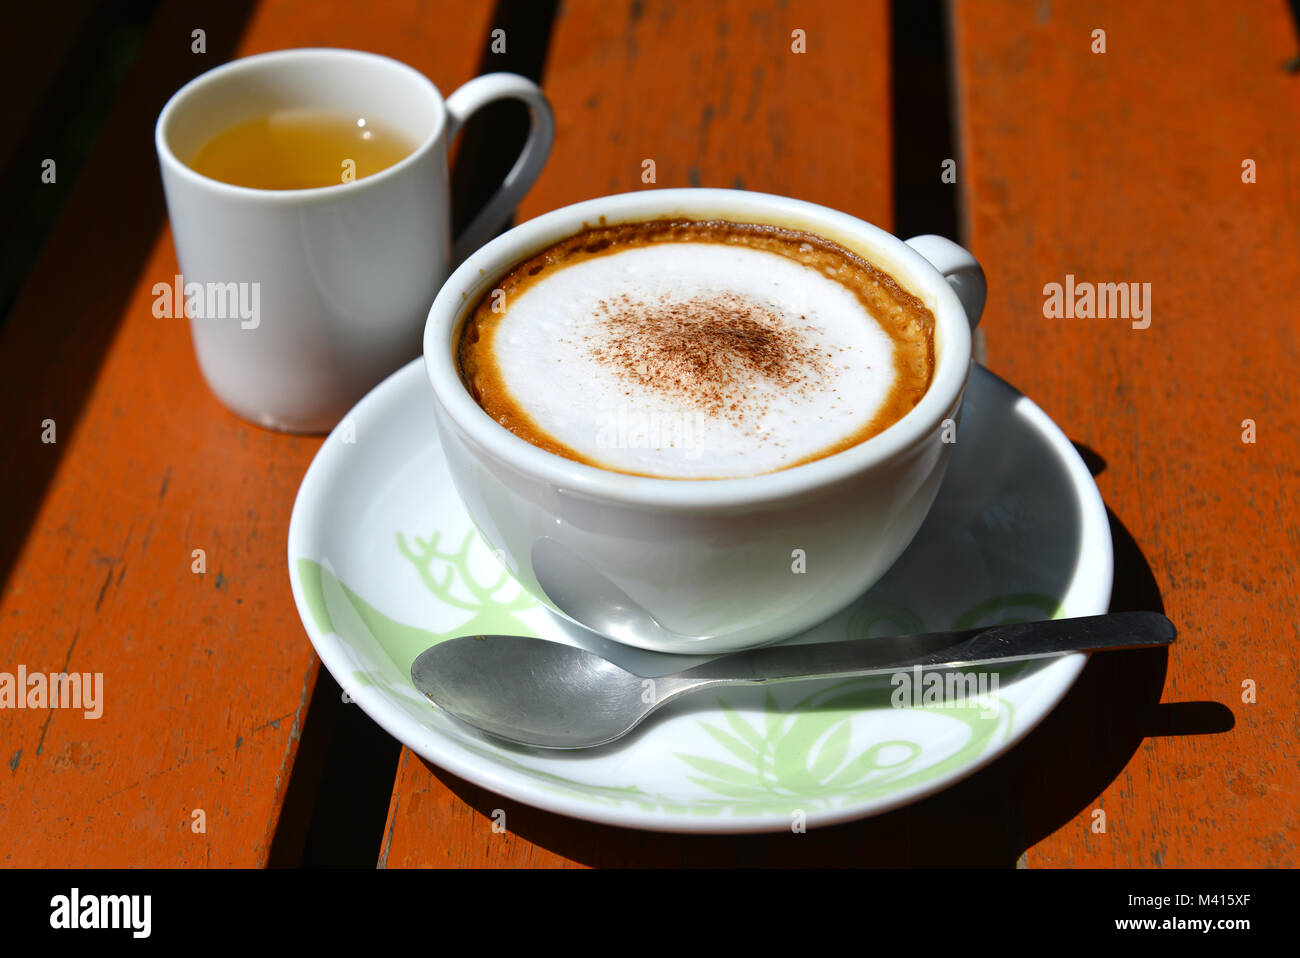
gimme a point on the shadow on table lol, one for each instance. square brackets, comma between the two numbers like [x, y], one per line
[75, 296]
[989, 819]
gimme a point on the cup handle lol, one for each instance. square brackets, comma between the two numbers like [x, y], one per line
[959, 268]
[461, 105]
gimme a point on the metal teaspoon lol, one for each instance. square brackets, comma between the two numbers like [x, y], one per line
[544, 694]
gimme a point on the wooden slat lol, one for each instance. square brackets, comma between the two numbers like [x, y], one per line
[206, 677]
[1126, 166]
[714, 95]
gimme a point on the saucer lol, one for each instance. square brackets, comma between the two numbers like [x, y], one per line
[385, 562]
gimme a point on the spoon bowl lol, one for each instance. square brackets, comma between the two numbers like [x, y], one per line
[498, 684]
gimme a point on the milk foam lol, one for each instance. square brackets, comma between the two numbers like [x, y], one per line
[707, 403]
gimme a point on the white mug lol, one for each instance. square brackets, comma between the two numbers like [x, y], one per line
[710, 565]
[301, 300]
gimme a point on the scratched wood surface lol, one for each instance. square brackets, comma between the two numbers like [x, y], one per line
[714, 95]
[1127, 166]
[1123, 166]
[206, 677]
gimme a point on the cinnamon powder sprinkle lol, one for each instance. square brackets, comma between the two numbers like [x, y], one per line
[707, 353]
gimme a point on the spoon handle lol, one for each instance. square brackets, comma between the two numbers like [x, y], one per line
[997, 644]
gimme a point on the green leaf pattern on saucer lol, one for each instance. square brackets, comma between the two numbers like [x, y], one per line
[801, 751]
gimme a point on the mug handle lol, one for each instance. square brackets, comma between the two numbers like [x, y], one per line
[462, 104]
[959, 268]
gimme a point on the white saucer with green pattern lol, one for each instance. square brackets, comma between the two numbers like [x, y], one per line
[385, 562]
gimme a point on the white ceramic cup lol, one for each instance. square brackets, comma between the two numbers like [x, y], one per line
[705, 565]
[310, 297]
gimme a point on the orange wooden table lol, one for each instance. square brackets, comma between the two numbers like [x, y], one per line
[1116, 166]
[1132, 166]
[206, 675]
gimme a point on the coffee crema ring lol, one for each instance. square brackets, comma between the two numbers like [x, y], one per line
[696, 349]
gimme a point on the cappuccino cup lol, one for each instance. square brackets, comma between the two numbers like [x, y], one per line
[302, 299]
[822, 360]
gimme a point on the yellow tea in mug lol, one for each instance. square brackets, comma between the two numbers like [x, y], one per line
[299, 150]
